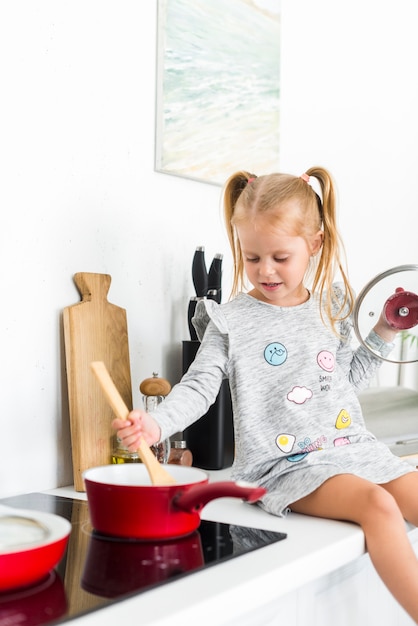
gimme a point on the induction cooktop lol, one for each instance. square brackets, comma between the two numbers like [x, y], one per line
[97, 570]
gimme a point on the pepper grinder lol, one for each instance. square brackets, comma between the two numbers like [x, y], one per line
[154, 391]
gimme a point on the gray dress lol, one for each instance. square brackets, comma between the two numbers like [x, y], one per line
[294, 385]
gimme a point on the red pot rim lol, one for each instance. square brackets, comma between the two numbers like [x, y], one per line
[136, 475]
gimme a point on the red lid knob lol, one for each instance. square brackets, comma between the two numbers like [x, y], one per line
[401, 309]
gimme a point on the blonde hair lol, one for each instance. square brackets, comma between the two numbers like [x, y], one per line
[247, 196]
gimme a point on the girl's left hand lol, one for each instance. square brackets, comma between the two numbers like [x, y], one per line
[384, 330]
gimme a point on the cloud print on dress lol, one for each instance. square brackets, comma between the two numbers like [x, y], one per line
[299, 395]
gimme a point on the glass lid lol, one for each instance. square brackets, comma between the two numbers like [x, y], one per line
[393, 293]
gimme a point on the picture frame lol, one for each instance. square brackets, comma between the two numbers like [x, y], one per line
[218, 88]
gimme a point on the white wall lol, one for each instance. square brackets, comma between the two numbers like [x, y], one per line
[78, 190]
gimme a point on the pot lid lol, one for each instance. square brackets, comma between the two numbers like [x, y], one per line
[395, 293]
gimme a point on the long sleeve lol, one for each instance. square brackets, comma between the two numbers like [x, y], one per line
[191, 398]
[361, 364]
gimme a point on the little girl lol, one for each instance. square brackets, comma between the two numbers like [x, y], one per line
[294, 378]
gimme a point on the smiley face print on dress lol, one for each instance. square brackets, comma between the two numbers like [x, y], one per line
[275, 353]
[343, 420]
[326, 360]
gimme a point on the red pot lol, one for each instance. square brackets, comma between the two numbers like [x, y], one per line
[123, 503]
[29, 563]
[116, 566]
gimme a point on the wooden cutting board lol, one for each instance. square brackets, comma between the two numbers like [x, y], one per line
[94, 330]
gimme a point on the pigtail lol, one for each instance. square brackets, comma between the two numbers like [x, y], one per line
[331, 255]
[234, 187]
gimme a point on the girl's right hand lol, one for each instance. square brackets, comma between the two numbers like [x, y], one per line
[139, 424]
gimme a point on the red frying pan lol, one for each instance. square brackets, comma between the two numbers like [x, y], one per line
[32, 543]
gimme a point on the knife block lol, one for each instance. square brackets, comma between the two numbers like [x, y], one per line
[211, 438]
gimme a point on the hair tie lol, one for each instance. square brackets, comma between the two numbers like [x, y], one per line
[313, 183]
[250, 180]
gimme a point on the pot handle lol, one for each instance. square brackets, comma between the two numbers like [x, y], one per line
[196, 497]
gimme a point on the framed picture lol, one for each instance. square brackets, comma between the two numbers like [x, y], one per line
[218, 88]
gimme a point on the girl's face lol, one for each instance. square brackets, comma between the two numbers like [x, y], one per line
[276, 262]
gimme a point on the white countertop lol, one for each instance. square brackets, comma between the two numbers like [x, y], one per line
[313, 548]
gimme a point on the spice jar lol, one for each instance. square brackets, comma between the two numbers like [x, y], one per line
[180, 454]
[154, 391]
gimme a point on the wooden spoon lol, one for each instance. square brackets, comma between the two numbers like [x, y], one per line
[159, 476]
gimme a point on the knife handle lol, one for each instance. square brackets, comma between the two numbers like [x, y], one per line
[199, 272]
[190, 313]
[215, 277]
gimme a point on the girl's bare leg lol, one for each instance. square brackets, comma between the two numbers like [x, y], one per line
[375, 508]
[405, 492]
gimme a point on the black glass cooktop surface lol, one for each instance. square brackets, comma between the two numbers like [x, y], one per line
[97, 570]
